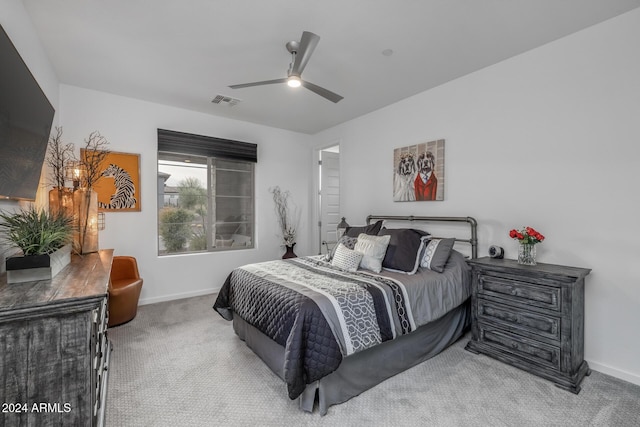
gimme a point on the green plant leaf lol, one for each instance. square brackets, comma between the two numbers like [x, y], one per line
[34, 231]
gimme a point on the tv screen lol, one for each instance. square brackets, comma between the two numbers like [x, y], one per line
[26, 116]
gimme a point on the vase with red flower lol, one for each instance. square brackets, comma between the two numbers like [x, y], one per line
[527, 238]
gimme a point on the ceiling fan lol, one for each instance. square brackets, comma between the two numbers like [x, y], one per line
[300, 53]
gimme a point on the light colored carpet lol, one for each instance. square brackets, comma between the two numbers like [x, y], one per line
[180, 364]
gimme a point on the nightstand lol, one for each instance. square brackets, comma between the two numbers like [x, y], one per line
[531, 317]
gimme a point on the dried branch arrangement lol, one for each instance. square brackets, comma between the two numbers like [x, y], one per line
[59, 157]
[287, 215]
[91, 157]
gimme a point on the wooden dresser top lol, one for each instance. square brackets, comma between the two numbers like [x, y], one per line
[86, 277]
[539, 268]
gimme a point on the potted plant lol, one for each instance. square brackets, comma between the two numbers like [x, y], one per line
[288, 217]
[89, 169]
[43, 238]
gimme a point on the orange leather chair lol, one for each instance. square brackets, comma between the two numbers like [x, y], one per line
[125, 285]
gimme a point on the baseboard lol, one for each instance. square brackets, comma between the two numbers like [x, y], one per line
[171, 297]
[622, 375]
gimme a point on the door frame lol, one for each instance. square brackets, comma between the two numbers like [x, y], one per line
[315, 203]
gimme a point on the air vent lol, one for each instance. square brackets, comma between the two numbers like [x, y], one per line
[223, 99]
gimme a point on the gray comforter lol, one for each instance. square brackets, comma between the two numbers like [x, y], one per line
[321, 314]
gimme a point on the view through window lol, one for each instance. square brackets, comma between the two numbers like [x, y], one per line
[204, 203]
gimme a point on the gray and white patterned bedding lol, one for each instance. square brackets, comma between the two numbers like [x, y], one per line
[321, 314]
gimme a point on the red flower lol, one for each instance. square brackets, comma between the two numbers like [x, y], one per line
[526, 235]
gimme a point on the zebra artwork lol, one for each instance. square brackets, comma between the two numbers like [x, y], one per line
[125, 190]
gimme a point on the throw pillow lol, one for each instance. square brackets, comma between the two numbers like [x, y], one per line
[373, 249]
[349, 242]
[346, 258]
[404, 249]
[371, 229]
[436, 254]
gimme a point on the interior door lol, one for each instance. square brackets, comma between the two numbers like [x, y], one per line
[329, 197]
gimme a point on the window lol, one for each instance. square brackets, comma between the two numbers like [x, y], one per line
[205, 193]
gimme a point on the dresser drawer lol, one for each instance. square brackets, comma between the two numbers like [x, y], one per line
[537, 352]
[517, 319]
[528, 293]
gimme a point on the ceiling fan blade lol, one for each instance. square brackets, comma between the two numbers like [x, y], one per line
[264, 82]
[308, 43]
[325, 93]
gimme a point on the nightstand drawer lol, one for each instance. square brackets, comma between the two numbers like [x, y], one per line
[531, 294]
[537, 352]
[518, 319]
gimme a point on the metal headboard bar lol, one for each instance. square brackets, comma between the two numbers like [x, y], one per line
[473, 225]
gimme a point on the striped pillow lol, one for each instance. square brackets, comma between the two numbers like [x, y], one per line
[436, 254]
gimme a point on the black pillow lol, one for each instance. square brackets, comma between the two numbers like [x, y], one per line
[371, 229]
[403, 248]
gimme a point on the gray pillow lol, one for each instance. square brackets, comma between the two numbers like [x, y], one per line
[371, 229]
[403, 250]
[436, 254]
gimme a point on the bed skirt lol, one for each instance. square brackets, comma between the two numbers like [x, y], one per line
[363, 370]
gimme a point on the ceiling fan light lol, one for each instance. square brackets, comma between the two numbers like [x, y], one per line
[294, 81]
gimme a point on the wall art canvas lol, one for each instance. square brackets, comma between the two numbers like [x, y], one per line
[419, 172]
[119, 188]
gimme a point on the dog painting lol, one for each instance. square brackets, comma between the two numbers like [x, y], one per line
[419, 172]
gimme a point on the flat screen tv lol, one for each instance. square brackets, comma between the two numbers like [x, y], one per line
[26, 116]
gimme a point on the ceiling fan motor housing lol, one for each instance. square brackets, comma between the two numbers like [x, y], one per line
[293, 46]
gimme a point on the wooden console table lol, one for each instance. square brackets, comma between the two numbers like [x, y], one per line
[54, 350]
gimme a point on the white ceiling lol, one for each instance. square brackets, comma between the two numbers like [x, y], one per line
[185, 52]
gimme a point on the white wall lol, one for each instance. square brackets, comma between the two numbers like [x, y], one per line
[547, 139]
[131, 126]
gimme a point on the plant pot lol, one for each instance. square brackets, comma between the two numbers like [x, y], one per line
[289, 253]
[61, 201]
[37, 267]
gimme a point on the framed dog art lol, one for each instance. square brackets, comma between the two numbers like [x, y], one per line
[419, 172]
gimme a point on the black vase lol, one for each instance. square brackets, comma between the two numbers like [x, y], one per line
[289, 253]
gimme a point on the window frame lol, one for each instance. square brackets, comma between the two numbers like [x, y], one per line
[212, 151]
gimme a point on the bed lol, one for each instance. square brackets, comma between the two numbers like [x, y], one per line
[331, 331]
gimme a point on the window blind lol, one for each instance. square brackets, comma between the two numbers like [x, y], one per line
[185, 143]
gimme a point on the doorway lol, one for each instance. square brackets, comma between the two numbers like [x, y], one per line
[328, 197]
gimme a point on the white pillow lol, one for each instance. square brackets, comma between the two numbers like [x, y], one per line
[373, 248]
[346, 259]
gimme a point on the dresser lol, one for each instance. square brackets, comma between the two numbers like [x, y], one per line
[54, 350]
[531, 317]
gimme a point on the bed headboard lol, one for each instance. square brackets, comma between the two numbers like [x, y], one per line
[473, 225]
